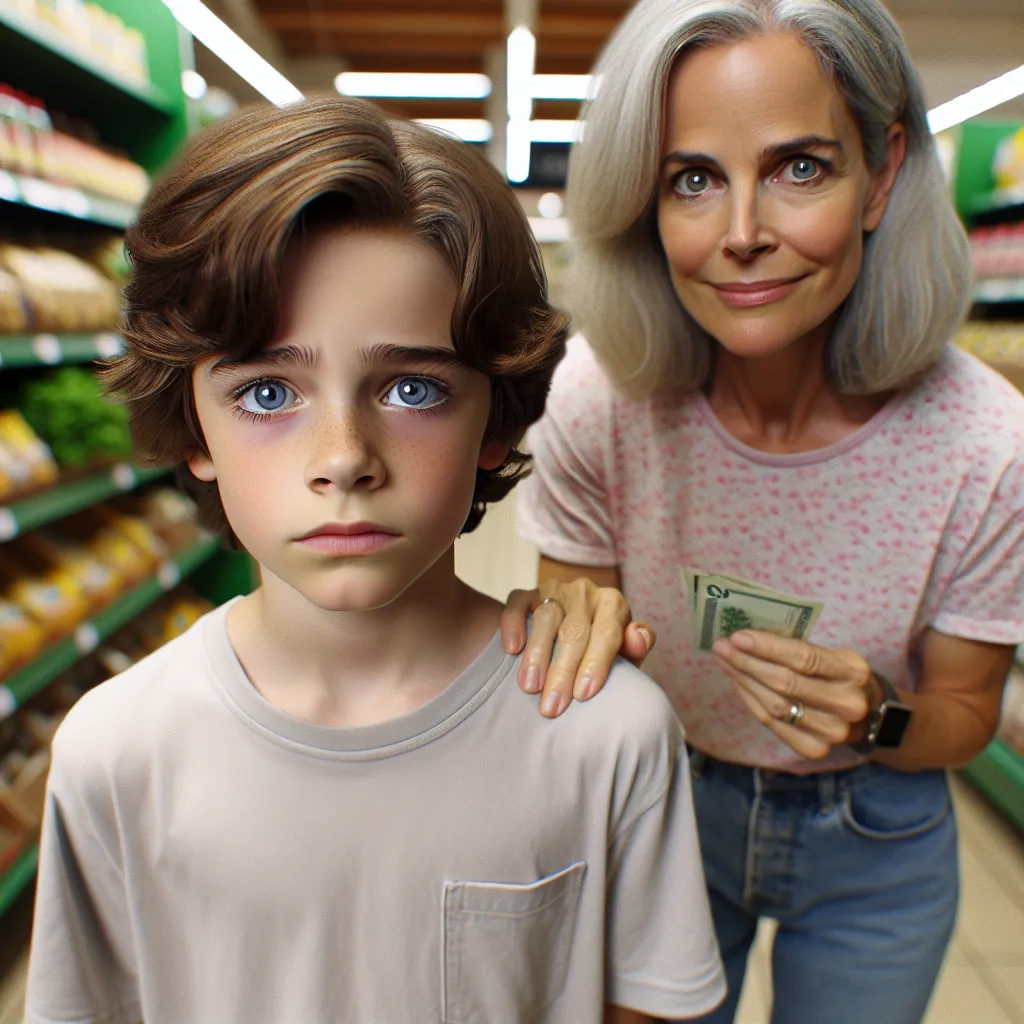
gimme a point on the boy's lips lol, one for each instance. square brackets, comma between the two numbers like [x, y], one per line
[348, 538]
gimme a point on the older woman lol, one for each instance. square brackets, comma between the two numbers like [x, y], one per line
[768, 273]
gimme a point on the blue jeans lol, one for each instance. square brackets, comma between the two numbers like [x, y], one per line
[859, 868]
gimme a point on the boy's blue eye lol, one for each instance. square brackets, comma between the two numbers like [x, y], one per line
[415, 393]
[266, 396]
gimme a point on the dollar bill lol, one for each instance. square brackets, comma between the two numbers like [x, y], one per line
[721, 604]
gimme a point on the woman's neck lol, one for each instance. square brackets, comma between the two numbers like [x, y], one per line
[783, 402]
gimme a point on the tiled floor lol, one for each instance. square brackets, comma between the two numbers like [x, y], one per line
[982, 981]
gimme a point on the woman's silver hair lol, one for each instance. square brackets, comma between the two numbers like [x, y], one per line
[913, 289]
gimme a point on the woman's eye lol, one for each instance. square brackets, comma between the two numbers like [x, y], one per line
[693, 183]
[415, 393]
[266, 396]
[803, 169]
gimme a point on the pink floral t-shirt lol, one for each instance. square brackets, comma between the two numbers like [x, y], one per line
[916, 520]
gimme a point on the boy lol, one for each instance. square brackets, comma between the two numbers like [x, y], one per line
[329, 801]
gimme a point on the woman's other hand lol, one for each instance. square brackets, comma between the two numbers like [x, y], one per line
[813, 698]
[592, 623]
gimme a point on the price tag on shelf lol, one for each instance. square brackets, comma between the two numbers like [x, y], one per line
[8, 524]
[87, 638]
[108, 346]
[8, 705]
[47, 349]
[123, 476]
[168, 575]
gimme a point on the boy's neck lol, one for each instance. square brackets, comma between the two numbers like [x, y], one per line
[349, 669]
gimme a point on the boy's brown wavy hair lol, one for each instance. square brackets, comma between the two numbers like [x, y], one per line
[208, 245]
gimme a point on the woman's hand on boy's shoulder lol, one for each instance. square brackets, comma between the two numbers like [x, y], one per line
[581, 623]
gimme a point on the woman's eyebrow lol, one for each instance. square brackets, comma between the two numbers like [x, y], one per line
[781, 149]
[288, 355]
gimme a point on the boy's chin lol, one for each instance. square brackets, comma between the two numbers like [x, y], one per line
[353, 596]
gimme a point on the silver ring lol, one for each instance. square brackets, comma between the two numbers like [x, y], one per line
[796, 713]
[551, 600]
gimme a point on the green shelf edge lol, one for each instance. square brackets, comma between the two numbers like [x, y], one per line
[18, 876]
[66, 202]
[44, 349]
[999, 773]
[33, 678]
[66, 499]
[146, 93]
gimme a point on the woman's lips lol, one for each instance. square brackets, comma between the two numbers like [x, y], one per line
[756, 293]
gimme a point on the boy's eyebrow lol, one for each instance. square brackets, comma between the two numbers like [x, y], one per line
[384, 352]
[786, 148]
[287, 355]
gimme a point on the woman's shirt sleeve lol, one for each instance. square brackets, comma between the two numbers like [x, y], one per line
[565, 505]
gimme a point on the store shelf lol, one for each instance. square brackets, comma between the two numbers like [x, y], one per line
[66, 499]
[43, 37]
[61, 656]
[18, 350]
[999, 290]
[18, 876]
[996, 207]
[999, 774]
[23, 190]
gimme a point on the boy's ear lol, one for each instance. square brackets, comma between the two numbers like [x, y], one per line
[493, 454]
[201, 466]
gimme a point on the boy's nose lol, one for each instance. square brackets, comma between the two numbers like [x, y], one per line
[343, 455]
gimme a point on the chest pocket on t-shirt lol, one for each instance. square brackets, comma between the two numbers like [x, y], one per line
[506, 947]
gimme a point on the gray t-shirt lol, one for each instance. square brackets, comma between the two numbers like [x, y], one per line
[208, 859]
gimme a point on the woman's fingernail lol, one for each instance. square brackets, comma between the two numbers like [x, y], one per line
[647, 635]
[584, 689]
[744, 641]
[532, 681]
[552, 704]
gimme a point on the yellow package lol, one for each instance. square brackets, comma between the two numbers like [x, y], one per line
[37, 466]
[111, 546]
[53, 597]
[136, 529]
[21, 637]
[98, 580]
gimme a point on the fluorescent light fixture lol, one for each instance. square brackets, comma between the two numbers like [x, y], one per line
[977, 101]
[560, 87]
[198, 19]
[193, 85]
[413, 84]
[522, 49]
[469, 129]
[550, 206]
[554, 131]
[517, 150]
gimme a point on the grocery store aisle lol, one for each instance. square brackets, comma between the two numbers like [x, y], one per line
[982, 981]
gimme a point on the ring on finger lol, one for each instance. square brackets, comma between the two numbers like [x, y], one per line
[551, 600]
[796, 713]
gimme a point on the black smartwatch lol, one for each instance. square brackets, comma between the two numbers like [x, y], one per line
[886, 724]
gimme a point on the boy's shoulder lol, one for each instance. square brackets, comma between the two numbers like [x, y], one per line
[129, 711]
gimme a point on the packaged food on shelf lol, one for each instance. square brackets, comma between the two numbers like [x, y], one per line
[170, 513]
[998, 252]
[26, 462]
[136, 529]
[51, 594]
[114, 546]
[25, 797]
[100, 583]
[1008, 161]
[998, 343]
[68, 410]
[14, 316]
[21, 637]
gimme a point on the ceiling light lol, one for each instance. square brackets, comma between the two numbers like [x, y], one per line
[522, 51]
[517, 150]
[469, 129]
[413, 84]
[977, 101]
[550, 205]
[198, 19]
[554, 131]
[560, 87]
[193, 85]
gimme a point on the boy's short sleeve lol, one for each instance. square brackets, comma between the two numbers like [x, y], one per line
[81, 967]
[985, 599]
[662, 954]
[564, 504]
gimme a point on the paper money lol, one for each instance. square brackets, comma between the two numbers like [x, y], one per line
[721, 604]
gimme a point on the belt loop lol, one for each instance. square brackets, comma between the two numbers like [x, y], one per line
[827, 792]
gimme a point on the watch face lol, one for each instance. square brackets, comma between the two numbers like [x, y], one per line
[895, 719]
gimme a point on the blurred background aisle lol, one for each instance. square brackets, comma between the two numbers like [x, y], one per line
[102, 561]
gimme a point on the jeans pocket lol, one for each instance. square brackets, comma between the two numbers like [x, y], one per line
[506, 946]
[889, 805]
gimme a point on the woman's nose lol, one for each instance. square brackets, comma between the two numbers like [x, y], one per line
[747, 235]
